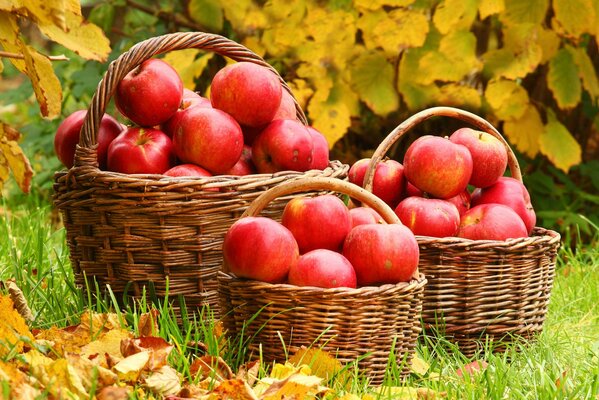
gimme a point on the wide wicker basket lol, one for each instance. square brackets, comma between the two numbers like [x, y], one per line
[367, 324]
[152, 235]
[481, 293]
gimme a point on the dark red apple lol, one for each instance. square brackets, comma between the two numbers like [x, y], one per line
[489, 156]
[429, 217]
[320, 155]
[141, 151]
[320, 222]
[260, 248]
[170, 126]
[509, 192]
[245, 165]
[188, 170]
[491, 222]
[323, 268]
[67, 137]
[438, 166]
[411, 190]
[388, 179]
[284, 145]
[248, 92]
[209, 138]
[382, 253]
[150, 94]
[461, 201]
[364, 215]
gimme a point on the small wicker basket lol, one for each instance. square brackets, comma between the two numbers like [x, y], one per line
[162, 234]
[481, 292]
[364, 324]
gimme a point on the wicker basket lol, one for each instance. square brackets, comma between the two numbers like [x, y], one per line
[481, 292]
[364, 324]
[155, 232]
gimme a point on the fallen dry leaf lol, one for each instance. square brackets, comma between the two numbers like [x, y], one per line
[165, 381]
[211, 367]
[418, 365]
[321, 363]
[249, 372]
[296, 386]
[129, 369]
[113, 393]
[13, 328]
[148, 323]
[473, 368]
[107, 343]
[157, 348]
[233, 389]
[96, 322]
[91, 373]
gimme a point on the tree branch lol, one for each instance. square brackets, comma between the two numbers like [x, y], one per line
[166, 16]
[6, 54]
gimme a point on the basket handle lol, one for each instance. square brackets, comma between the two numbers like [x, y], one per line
[322, 183]
[145, 50]
[422, 116]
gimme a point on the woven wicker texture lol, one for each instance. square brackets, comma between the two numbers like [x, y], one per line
[150, 231]
[364, 324]
[481, 291]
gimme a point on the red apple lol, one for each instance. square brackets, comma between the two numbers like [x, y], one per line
[209, 138]
[438, 166]
[323, 268]
[320, 155]
[411, 190]
[489, 156]
[260, 248]
[141, 151]
[429, 217]
[150, 94]
[172, 123]
[509, 192]
[461, 201]
[388, 179]
[382, 253]
[248, 92]
[244, 165]
[491, 222]
[188, 170]
[320, 222]
[67, 137]
[285, 144]
[286, 108]
[364, 215]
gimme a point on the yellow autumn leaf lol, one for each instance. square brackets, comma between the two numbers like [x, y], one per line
[570, 21]
[321, 362]
[458, 95]
[372, 77]
[100, 322]
[301, 91]
[559, 146]
[80, 36]
[418, 365]
[525, 132]
[408, 393]
[108, 343]
[586, 70]
[549, 42]
[507, 98]
[415, 94]
[129, 369]
[507, 64]
[296, 386]
[13, 159]
[188, 65]
[91, 374]
[452, 15]
[9, 38]
[529, 11]
[244, 15]
[329, 115]
[343, 90]
[208, 13]
[563, 80]
[371, 5]
[53, 11]
[490, 7]
[61, 379]
[20, 383]
[46, 85]
[13, 329]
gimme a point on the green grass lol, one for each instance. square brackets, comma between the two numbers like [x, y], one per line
[562, 364]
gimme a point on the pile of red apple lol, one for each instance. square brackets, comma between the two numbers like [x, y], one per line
[454, 186]
[248, 125]
[320, 242]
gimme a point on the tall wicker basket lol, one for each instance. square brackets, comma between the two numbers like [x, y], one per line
[481, 292]
[367, 324]
[152, 232]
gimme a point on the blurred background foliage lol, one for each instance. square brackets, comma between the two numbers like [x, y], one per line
[359, 68]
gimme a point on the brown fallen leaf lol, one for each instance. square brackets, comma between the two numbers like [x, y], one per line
[296, 386]
[164, 381]
[157, 348]
[471, 369]
[234, 389]
[129, 369]
[19, 300]
[91, 373]
[211, 367]
[249, 372]
[96, 322]
[113, 393]
[148, 323]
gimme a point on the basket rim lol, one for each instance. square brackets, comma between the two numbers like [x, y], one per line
[539, 235]
[342, 292]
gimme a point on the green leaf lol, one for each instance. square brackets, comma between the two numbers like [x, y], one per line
[507, 98]
[586, 70]
[574, 17]
[490, 7]
[558, 144]
[372, 79]
[453, 15]
[525, 132]
[528, 11]
[208, 13]
[563, 80]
